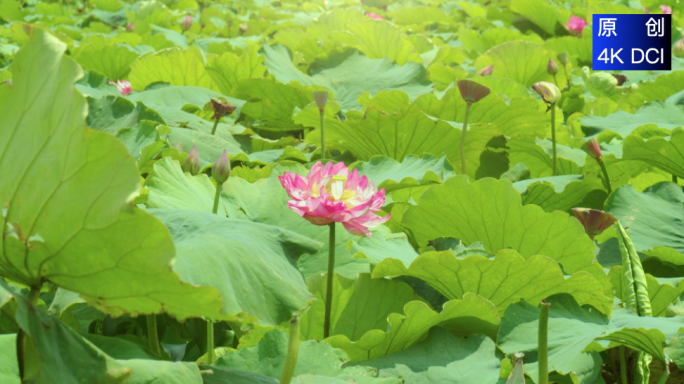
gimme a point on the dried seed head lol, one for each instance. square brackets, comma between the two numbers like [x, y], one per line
[221, 108]
[593, 220]
[472, 91]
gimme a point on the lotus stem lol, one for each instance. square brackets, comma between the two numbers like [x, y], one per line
[674, 179]
[555, 81]
[553, 136]
[543, 342]
[567, 75]
[463, 136]
[331, 272]
[322, 134]
[33, 297]
[152, 335]
[664, 375]
[213, 130]
[292, 352]
[605, 176]
[211, 355]
[623, 365]
[217, 195]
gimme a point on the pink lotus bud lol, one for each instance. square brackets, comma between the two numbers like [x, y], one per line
[123, 85]
[552, 67]
[593, 148]
[548, 91]
[678, 49]
[192, 163]
[666, 10]
[221, 169]
[575, 25]
[372, 15]
[486, 71]
[186, 24]
[593, 220]
[129, 27]
[472, 91]
[563, 58]
[321, 99]
[646, 10]
[221, 108]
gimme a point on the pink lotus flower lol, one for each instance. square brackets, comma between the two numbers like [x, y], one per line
[372, 15]
[123, 85]
[331, 193]
[666, 10]
[575, 25]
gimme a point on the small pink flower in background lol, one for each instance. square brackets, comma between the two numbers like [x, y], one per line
[646, 10]
[331, 193]
[575, 25]
[372, 15]
[129, 27]
[123, 85]
[666, 10]
[593, 220]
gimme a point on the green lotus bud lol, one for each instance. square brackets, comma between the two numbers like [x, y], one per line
[563, 58]
[548, 91]
[221, 169]
[678, 49]
[472, 91]
[192, 163]
[552, 67]
[321, 99]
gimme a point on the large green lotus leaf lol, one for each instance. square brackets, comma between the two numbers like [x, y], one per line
[136, 139]
[573, 330]
[359, 305]
[9, 369]
[272, 103]
[662, 87]
[660, 295]
[379, 39]
[537, 155]
[675, 349]
[665, 115]
[504, 86]
[573, 45]
[173, 66]
[63, 172]
[544, 15]
[268, 358]
[521, 61]
[232, 376]
[561, 193]
[505, 280]
[490, 211]
[112, 61]
[443, 358]
[178, 96]
[231, 254]
[119, 348]
[664, 153]
[264, 201]
[385, 244]
[472, 40]
[663, 262]
[419, 15]
[389, 102]
[112, 113]
[520, 116]
[411, 132]
[228, 69]
[471, 315]
[388, 173]
[653, 217]
[349, 74]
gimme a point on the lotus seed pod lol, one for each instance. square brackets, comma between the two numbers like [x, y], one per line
[192, 164]
[221, 108]
[593, 220]
[221, 169]
[548, 91]
[552, 67]
[472, 91]
[321, 99]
